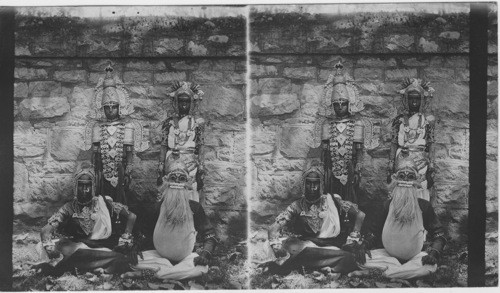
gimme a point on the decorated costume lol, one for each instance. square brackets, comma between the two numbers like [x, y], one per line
[113, 140]
[343, 136]
[413, 132]
[180, 223]
[399, 228]
[321, 224]
[90, 229]
[182, 135]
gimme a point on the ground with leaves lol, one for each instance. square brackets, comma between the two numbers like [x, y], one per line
[452, 272]
[226, 272]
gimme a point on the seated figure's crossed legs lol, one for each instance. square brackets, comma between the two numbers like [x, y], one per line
[413, 268]
[165, 270]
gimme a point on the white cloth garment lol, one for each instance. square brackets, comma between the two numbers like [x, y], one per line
[413, 268]
[185, 269]
[102, 226]
[331, 221]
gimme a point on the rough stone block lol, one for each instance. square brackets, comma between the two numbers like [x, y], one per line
[264, 140]
[225, 196]
[81, 97]
[44, 88]
[224, 173]
[221, 101]
[427, 46]
[456, 62]
[137, 77]
[30, 73]
[235, 77]
[66, 144]
[311, 94]
[197, 49]
[450, 99]
[400, 43]
[225, 65]
[263, 70]
[218, 39]
[79, 76]
[416, 62]
[462, 74]
[491, 186]
[453, 195]
[168, 46]
[400, 74]
[295, 141]
[450, 35]
[492, 88]
[44, 107]
[143, 65]
[28, 141]
[48, 166]
[184, 65]
[169, 77]
[300, 73]
[281, 186]
[275, 85]
[50, 189]
[20, 182]
[368, 74]
[492, 138]
[148, 109]
[452, 170]
[376, 62]
[439, 74]
[20, 90]
[373, 177]
[276, 162]
[208, 76]
[264, 105]
[378, 106]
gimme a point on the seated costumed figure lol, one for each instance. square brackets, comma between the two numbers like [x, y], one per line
[180, 223]
[322, 224]
[182, 135]
[400, 225]
[91, 226]
[413, 133]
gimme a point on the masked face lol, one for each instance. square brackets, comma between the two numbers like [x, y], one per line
[312, 186]
[111, 111]
[177, 180]
[84, 189]
[183, 104]
[414, 101]
[341, 107]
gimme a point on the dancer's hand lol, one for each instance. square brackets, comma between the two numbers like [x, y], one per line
[430, 259]
[203, 258]
[358, 250]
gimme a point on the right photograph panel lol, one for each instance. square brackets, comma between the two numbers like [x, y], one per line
[360, 146]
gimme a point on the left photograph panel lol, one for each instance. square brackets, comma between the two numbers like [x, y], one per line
[129, 148]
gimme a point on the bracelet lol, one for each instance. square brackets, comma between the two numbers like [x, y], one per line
[126, 235]
[355, 234]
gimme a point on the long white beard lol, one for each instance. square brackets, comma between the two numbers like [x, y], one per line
[176, 205]
[405, 204]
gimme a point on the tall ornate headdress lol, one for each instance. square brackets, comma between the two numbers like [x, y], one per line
[192, 90]
[314, 167]
[416, 85]
[110, 90]
[81, 172]
[340, 86]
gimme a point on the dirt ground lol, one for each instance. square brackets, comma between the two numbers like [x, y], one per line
[227, 271]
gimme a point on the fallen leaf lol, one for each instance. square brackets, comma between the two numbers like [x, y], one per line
[394, 285]
[195, 286]
[421, 283]
[334, 284]
[153, 286]
[92, 279]
[48, 287]
[167, 286]
[274, 285]
[380, 285]
[354, 283]
[107, 286]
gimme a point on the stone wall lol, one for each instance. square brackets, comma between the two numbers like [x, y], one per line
[59, 60]
[292, 53]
